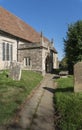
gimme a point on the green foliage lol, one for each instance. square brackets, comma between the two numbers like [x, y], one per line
[13, 93]
[56, 71]
[63, 64]
[73, 45]
[68, 105]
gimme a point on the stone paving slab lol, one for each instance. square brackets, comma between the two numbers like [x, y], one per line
[44, 119]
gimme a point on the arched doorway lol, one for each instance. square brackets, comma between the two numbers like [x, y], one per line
[48, 64]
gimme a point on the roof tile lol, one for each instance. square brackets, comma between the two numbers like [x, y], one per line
[15, 26]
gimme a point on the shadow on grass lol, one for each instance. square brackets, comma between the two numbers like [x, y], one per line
[56, 77]
[49, 89]
[14, 126]
[69, 89]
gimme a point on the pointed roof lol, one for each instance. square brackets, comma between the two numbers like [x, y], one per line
[15, 26]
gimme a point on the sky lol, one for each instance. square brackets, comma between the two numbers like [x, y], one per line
[52, 17]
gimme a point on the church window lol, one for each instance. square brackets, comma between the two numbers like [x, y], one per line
[27, 61]
[3, 51]
[7, 52]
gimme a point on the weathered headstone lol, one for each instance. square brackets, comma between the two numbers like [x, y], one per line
[15, 71]
[78, 77]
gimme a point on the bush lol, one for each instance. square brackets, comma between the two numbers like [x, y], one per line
[56, 71]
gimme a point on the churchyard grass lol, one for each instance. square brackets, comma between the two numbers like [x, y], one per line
[13, 93]
[68, 105]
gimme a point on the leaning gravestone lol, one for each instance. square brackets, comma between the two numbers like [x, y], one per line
[78, 77]
[15, 71]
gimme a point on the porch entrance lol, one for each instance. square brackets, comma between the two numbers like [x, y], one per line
[48, 64]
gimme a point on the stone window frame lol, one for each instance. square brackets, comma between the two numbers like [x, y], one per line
[27, 61]
[7, 51]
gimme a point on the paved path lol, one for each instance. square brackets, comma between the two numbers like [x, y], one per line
[38, 112]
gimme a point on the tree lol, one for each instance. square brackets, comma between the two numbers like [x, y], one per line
[63, 64]
[73, 45]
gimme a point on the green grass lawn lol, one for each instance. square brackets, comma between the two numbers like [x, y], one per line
[68, 105]
[13, 93]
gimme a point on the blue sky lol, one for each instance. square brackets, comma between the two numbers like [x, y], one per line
[50, 16]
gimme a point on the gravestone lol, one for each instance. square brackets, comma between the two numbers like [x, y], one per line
[78, 77]
[15, 71]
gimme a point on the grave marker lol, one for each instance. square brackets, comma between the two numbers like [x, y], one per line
[15, 71]
[78, 77]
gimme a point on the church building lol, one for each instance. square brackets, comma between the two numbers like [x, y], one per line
[19, 42]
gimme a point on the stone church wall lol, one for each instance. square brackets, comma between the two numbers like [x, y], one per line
[35, 56]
